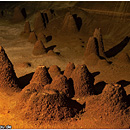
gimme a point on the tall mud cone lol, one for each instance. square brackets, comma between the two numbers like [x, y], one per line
[54, 70]
[27, 29]
[69, 69]
[41, 37]
[69, 24]
[8, 79]
[111, 105]
[39, 48]
[91, 47]
[39, 24]
[97, 34]
[83, 81]
[17, 16]
[41, 76]
[32, 37]
[61, 84]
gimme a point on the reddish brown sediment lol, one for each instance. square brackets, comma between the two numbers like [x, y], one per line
[39, 48]
[69, 69]
[83, 81]
[32, 37]
[54, 70]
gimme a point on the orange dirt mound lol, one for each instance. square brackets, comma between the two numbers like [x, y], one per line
[110, 106]
[17, 16]
[54, 70]
[39, 48]
[8, 79]
[69, 25]
[61, 84]
[91, 47]
[97, 34]
[69, 69]
[41, 76]
[32, 37]
[38, 23]
[83, 81]
[49, 105]
[27, 29]
[41, 37]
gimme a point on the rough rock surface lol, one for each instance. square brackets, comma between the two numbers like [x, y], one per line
[39, 48]
[83, 81]
[54, 70]
[8, 79]
[69, 69]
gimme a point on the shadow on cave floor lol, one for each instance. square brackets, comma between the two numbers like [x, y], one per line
[25, 80]
[118, 48]
[50, 48]
[95, 73]
[123, 83]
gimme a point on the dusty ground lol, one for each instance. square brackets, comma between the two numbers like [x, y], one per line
[114, 27]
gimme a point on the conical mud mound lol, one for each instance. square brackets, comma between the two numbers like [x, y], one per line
[69, 25]
[54, 70]
[39, 48]
[61, 84]
[51, 53]
[32, 37]
[83, 81]
[91, 47]
[27, 29]
[8, 79]
[17, 16]
[69, 69]
[38, 23]
[49, 105]
[97, 34]
[111, 106]
[41, 76]
[41, 37]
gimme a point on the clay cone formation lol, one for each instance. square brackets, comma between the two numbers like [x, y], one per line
[41, 37]
[91, 47]
[8, 79]
[17, 16]
[32, 37]
[61, 84]
[51, 53]
[54, 70]
[38, 23]
[48, 105]
[111, 105]
[27, 29]
[97, 34]
[39, 48]
[69, 25]
[83, 81]
[41, 76]
[69, 69]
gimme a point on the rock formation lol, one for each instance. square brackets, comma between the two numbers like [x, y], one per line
[39, 48]
[32, 37]
[49, 105]
[39, 23]
[8, 79]
[83, 81]
[17, 15]
[97, 34]
[41, 37]
[110, 106]
[54, 70]
[61, 84]
[69, 25]
[27, 29]
[91, 47]
[69, 69]
[41, 76]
